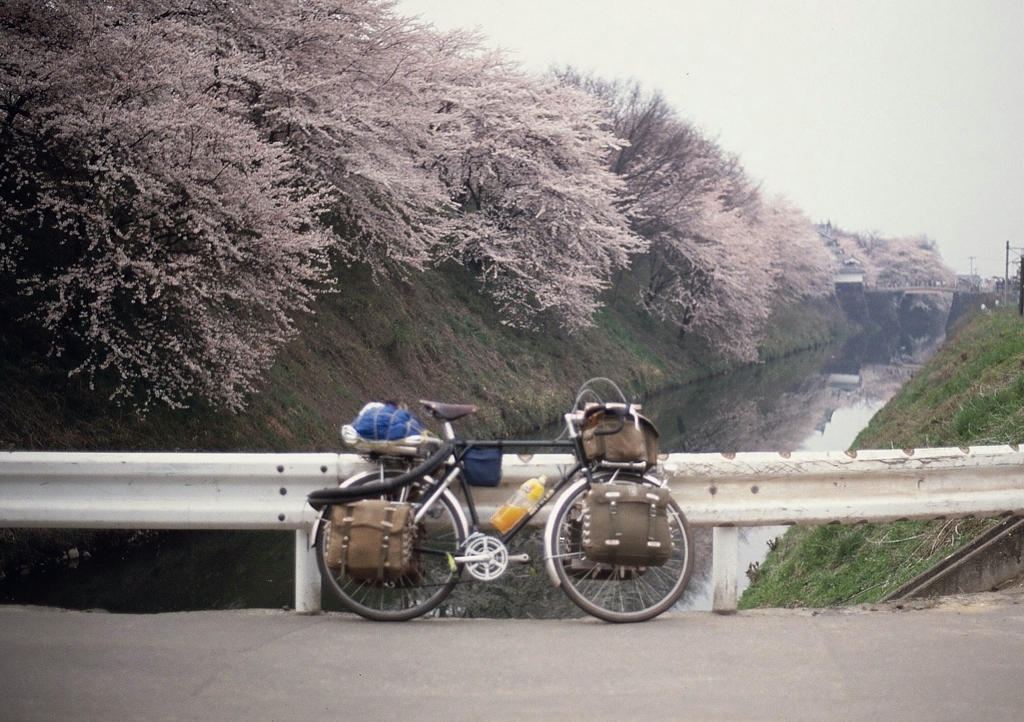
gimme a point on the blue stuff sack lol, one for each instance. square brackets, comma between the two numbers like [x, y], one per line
[386, 422]
[483, 466]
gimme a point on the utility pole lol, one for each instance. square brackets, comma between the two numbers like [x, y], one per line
[1020, 274]
[1006, 274]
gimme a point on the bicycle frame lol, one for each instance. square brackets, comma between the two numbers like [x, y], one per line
[456, 470]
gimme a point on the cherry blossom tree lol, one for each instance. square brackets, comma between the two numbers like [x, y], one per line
[148, 226]
[411, 128]
[357, 94]
[177, 176]
[439, 150]
[802, 266]
[719, 254]
[537, 200]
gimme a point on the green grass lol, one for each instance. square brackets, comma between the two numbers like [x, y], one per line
[970, 393]
[835, 564]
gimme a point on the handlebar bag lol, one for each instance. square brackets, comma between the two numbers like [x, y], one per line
[627, 525]
[371, 540]
[635, 442]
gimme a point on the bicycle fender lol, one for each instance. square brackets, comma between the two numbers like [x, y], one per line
[315, 529]
[549, 527]
[323, 497]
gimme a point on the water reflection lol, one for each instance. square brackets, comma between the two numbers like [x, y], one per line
[819, 402]
[794, 404]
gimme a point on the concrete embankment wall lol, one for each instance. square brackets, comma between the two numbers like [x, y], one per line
[984, 564]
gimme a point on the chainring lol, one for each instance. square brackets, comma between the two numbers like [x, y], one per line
[497, 552]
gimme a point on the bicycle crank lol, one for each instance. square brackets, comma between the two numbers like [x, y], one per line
[486, 557]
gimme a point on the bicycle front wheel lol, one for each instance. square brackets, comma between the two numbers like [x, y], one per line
[617, 593]
[439, 536]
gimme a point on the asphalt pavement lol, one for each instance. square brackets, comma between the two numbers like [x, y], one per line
[958, 659]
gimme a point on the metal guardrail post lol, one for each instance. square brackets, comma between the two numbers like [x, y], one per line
[307, 575]
[725, 563]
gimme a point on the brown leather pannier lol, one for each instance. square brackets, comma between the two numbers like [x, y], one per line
[370, 540]
[627, 524]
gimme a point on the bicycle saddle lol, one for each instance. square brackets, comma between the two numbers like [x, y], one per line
[448, 412]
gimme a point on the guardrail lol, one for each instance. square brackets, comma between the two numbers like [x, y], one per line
[724, 491]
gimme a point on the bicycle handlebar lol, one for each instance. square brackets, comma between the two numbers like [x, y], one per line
[325, 497]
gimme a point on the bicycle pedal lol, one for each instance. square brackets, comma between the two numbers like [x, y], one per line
[519, 559]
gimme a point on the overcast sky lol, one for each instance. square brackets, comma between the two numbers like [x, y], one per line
[902, 117]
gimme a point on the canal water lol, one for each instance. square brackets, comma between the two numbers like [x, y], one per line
[813, 402]
[817, 400]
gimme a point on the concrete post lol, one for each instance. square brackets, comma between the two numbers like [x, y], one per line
[307, 575]
[725, 564]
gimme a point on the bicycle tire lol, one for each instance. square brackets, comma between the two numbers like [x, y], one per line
[434, 576]
[617, 594]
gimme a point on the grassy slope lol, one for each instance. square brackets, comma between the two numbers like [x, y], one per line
[436, 337]
[971, 392]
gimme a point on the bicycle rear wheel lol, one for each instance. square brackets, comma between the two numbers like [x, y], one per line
[439, 536]
[617, 593]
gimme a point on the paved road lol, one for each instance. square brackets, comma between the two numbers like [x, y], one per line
[962, 659]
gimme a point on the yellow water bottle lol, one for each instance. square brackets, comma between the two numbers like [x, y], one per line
[521, 502]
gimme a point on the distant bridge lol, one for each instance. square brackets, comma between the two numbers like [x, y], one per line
[915, 289]
[857, 279]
